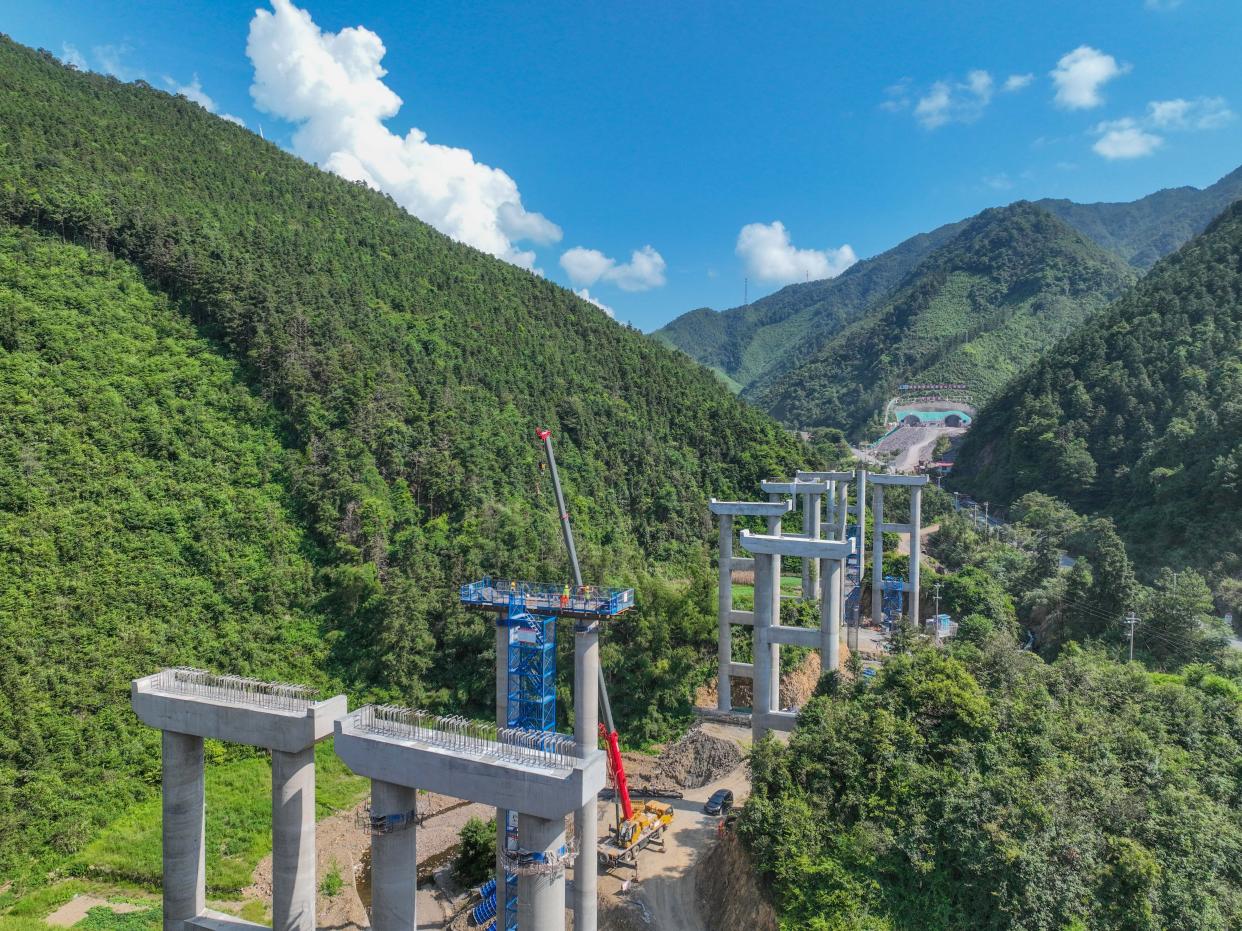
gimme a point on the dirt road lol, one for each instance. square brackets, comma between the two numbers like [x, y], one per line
[663, 897]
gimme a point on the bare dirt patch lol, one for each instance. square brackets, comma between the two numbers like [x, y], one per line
[76, 908]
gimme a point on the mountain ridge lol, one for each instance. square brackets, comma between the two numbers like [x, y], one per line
[973, 311]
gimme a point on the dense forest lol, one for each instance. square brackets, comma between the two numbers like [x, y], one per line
[259, 418]
[1023, 776]
[976, 310]
[1137, 415]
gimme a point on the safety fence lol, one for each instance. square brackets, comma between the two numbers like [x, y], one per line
[544, 749]
[236, 690]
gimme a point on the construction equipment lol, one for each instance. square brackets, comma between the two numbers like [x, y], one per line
[641, 830]
[633, 831]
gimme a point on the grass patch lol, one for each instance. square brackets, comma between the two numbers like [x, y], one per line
[239, 824]
[102, 918]
[744, 595]
[41, 902]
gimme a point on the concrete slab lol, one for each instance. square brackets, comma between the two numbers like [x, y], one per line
[794, 488]
[750, 508]
[270, 728]
[885, 478]
[823, 476]
[796, 546]
[519, 786]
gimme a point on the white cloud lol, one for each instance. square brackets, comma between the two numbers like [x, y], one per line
[1202, 113]
[644, 270]
[586, 296]
[1015, 82]
[110, 61]
[194, 91]
[1129, 137]
[770, 256]
[955, 101]
[1000, 182]
[70, 55]
[1124, 138]
[1080, 74]
[330, 85]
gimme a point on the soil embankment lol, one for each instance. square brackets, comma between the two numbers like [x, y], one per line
[728, 890]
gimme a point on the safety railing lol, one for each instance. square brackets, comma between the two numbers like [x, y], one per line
[544, 749]
[236, 690]
[537, 596]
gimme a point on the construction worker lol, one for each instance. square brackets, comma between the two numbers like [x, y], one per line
[565, 596]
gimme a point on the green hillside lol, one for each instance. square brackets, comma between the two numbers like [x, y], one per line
[1137, 415]
[145, 518]
[1145, 230]
[766, 337]
[260, 418]
[976, 310]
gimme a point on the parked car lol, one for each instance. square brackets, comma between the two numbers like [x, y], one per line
[720, 802]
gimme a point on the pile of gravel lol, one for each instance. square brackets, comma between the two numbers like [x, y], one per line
[697, 759]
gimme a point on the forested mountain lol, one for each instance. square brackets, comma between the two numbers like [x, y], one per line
[770, 335]
[260, 418]
[976, 310]
[1138, 414]
[753, 346]
[1143, 231]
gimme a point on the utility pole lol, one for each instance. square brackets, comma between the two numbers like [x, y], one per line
[987, 525]
[745, 292]
[1131, 622]
[957, 504]
[937, 602]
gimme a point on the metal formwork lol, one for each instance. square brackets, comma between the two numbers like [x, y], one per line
[532, 672]
[893, 602]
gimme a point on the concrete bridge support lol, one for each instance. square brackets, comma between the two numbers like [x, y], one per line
[394, 862]
[770, 633]
[727, 617]
[188, 705]
[541, 897]
[183, 830]
[586, 740]
[293, 840]
[913, 529]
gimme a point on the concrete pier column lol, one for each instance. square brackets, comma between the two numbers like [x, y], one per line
[185, 876]
[502, 720]
[541, 899]
[830, 614]
[586, 740]
[808, 501]
[916, 548]
[773, 650]
[394, 862]
[766, 569]
[860, 502]
[812, 565]
[293, 840]
[724, 607]
[831, 511]
[877, 553]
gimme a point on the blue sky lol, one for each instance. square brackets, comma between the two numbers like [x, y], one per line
[645, 151]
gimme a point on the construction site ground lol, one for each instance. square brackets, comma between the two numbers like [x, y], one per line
[660, 895]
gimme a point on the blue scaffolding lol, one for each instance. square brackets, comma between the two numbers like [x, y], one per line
[892, 599]
[529, 610]
[853, 577]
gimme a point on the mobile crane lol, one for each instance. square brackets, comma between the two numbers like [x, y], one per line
[636, 830]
